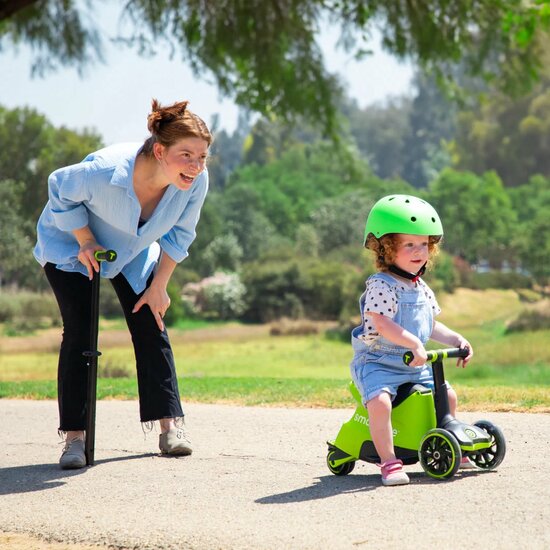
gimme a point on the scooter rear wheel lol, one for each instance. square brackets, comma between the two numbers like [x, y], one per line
[440, 454]
[490, 458]
[341, 469]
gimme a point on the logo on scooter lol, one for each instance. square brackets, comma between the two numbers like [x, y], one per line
[365, 421]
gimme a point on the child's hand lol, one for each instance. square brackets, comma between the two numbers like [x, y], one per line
[419, 356]
[463, 343]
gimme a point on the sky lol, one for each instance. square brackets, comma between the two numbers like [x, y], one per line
[114, 98]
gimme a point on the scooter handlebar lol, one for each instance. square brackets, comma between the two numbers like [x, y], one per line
[434, 355]
[105, 255]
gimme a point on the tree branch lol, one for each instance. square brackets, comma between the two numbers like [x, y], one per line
[10, 7]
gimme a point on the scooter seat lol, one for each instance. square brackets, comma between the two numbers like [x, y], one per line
[404, 391]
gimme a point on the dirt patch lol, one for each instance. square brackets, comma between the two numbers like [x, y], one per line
[49, 340]
[15, 541]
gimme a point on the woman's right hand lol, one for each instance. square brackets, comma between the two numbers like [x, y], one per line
[87, 258]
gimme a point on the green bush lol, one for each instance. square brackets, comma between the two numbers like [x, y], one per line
[342, 332]
[293, 327]
[25, 311]
[497, 279]
[176, 311]
[273, 290]
[528, 295]
[308, 287]
[533, 318]
[444, 275]
[221, 297]
[109, 368]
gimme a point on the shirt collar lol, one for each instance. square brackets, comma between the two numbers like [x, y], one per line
[124, 170]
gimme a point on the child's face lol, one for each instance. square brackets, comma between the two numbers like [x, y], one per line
[412, 252]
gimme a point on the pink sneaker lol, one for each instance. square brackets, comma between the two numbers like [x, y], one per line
[393, 474]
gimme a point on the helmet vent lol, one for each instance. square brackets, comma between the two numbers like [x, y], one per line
[413, 219]
[433, 220]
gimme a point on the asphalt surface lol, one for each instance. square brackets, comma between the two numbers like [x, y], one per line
[258, 480]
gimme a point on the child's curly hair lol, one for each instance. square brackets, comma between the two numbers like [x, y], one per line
[385, 249]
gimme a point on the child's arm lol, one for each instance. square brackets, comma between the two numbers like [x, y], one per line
[398, 335]
[443, 334]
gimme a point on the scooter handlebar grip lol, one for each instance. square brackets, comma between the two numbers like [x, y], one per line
[433, 355]
[105, 255]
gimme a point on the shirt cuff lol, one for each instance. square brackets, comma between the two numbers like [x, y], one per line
[175, 253]
[69, 220]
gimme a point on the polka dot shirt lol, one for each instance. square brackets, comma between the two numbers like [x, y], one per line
[381, 298]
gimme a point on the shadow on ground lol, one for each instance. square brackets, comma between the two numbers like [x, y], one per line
[331, 486]
[39, 477]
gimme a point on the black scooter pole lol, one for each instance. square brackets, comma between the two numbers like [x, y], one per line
[92, 355]
[441, 397]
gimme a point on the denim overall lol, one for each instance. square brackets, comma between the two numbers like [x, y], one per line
[379, 366]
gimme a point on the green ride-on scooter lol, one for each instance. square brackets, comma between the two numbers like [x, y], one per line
[423, 429]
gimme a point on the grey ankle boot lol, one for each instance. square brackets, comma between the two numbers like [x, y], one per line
[175, 442]
[73, 455]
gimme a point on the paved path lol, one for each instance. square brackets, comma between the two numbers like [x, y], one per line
[258, 480]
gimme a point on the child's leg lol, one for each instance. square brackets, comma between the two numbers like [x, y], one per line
[453, 400]
[379, 408]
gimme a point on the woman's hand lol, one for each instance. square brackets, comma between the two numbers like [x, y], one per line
[158, 301]
[87, 259]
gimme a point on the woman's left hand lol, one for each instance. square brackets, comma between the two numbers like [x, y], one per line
[158, 301]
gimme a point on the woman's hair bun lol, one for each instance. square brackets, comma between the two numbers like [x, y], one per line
[160, 115]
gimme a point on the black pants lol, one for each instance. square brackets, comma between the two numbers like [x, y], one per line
[156, 374]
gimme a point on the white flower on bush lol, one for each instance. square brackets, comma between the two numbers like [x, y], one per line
[221, 296]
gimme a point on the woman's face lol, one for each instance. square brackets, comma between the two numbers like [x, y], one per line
[412, 252]
[183, 161]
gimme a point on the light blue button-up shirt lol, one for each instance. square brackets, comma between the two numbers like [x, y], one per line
[99, 193]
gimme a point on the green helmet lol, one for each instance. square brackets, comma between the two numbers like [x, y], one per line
[402, 214]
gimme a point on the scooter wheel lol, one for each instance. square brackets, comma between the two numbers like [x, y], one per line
[490, 458]
[440, 454]
[341, 469]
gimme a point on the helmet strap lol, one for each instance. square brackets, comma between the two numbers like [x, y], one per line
[406, 274]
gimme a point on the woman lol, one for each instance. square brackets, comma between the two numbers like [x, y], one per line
[143, 201]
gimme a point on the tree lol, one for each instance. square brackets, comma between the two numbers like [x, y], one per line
[511, 137]
[31, 148]
[380, 132]
[15, 244]
[532, 202]
[431, 125]
[266, 55]
[477, 215]
[226, 151]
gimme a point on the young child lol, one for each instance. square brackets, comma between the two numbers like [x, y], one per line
[398, 312]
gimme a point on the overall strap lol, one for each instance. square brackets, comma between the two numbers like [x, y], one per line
[386, 277]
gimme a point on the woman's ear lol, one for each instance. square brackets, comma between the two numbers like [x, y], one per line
[158, 150]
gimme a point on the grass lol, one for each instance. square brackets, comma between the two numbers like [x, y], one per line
[509, 372]
[293, 392]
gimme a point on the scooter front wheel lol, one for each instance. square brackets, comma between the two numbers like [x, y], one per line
[440, 454]
[490, 458]
[340, 469]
